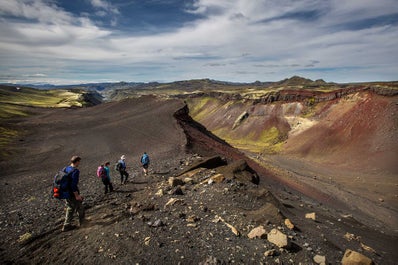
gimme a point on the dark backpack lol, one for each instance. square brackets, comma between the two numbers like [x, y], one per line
[61, 184]
[117, 166]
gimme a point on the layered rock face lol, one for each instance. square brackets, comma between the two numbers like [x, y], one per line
[353, 125]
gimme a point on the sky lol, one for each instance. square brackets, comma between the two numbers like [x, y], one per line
[84, 41]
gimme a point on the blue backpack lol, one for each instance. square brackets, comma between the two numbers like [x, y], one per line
[145, 159]
[61, 184]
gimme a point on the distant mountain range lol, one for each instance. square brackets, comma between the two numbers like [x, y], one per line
[188, 84]
[142, 85]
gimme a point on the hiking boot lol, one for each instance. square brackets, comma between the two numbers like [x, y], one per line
[67, 228]
[83, 222]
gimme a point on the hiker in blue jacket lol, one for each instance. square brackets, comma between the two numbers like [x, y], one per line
[122, 168]
[75, 201]
[145, 163]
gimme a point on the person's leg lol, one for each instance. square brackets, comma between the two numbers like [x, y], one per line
[110, 186]
[80, 211]
[70, 209]
[105, 185]
[126, 176]
[121, 177]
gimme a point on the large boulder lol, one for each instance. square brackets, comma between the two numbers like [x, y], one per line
[278, 238]
[354, 258]
[174, 182]
[209, 163]
[239, 170]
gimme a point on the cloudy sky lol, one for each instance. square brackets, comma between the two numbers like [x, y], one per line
[75, 41]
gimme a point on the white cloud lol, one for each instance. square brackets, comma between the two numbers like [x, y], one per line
[102, 4]
[268, 33]
[38, 10]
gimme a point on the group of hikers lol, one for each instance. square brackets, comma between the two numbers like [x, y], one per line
[103, 171]
[66, 185]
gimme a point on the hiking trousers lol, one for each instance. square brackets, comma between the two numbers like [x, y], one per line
[108, 185]
[123, 176]
[72, 206]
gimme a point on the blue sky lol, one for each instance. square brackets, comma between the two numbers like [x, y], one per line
[70, 41]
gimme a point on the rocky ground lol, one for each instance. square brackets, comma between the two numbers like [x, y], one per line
[189, 210]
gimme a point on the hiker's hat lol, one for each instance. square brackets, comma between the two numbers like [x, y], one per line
[123, 157]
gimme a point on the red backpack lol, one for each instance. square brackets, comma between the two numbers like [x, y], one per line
[101, 172]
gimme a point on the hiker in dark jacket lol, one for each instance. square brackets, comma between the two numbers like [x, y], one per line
[145, 163]
[74, 202]
[122, 168]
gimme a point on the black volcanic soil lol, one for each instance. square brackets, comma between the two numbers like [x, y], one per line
[123, 227]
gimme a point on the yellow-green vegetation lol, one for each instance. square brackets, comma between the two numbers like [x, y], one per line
[6, 135]
[10, 110]
[13, 103]
[270, 141]
[197, 105]
[40, 98]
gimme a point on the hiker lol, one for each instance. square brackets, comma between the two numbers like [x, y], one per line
[121, 167]
[105, 177]
[145, 163]
[108, 178]
[75, 201]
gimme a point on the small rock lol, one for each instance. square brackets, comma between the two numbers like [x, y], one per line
[233, 229]
[354, 258]
[258, 232]
[147, 241]
[367, 248]
[218, 178]
[25, 237]
[105, 216]
[203, 208]
[160, 193]
[172, 201]
[192, 219]
[351, 237]
[381, 199]
[157, 223]
[310, 216]
[210, 261]
[177, 191]
[289, 224]
[189, 181]
[318, 259]
[210, 181]
[270, 253]
[278, 238]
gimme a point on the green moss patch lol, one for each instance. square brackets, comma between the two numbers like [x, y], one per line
[270, 141]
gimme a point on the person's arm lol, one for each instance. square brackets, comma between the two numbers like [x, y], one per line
[74, 188]
[78, 197]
